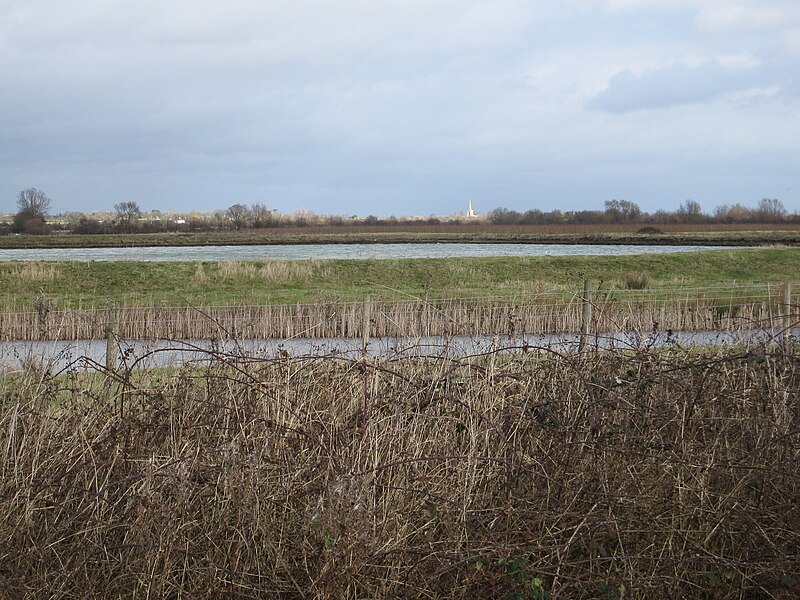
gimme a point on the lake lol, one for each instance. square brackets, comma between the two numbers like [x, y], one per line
[333, 251]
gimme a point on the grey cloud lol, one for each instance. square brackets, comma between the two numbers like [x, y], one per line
[351, 106]
[672, 86]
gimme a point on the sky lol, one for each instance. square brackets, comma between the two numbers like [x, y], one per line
[399, 107]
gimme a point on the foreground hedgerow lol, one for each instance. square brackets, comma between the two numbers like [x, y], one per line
[651, 474]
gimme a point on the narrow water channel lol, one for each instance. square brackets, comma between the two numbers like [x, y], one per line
[57, 356]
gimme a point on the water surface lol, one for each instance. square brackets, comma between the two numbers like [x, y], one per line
[331, 251]
[144, 354]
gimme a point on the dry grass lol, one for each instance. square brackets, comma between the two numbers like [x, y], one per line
[637, 280]
[200, 274]
[274, 271]
[647, 475]
[32, 271]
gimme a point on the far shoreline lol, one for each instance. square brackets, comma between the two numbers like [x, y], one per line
[784, 237]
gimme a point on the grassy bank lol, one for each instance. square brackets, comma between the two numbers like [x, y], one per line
[72, 284]
[714, 235]
[647, 475]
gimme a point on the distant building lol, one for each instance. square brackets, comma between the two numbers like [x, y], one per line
[470, 213]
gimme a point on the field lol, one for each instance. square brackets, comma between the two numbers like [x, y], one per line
[605, 475]
[727, 234]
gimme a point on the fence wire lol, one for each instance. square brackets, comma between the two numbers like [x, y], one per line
[721, 308]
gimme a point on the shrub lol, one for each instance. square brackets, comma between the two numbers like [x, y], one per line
[526, 476]
[649, 230]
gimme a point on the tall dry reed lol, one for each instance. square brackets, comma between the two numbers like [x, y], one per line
[615, 310]
[271, 270]
[32, 271]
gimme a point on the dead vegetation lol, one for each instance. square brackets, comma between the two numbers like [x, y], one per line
[32, 271]
[702, 309]
[271, 270]
[654, 474]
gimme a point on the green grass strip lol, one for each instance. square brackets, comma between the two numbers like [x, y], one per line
[73, 284]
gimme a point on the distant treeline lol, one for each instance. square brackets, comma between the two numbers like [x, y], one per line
[768, 210]
[128, 218]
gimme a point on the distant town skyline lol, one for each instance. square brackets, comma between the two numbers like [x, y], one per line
[400, 108]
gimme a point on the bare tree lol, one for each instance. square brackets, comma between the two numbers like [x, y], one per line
[127, 212]
[622, 210]
[690, 211]
[33, 202]
[770, 209]
[239, 215]
[262, 216]
[33, 205]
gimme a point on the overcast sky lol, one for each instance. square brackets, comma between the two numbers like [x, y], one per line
[401, 106]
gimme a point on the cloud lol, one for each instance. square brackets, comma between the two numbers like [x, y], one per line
[744, 16]
[671, 86]
[791, 43]
[721, 15]
[643, 4]
[326, 104]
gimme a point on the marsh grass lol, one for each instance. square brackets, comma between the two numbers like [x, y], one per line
[200, 275]
[718, 233]
[273, 271]
[637, 280]
[606, 475]
[35, 272]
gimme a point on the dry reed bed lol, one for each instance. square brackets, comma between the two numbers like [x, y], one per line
[724, 310]
[643, 475]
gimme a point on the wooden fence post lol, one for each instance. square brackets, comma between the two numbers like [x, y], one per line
[787, 311]
[365, 325]
[42, 310]
[586, 316]
[112, 332]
